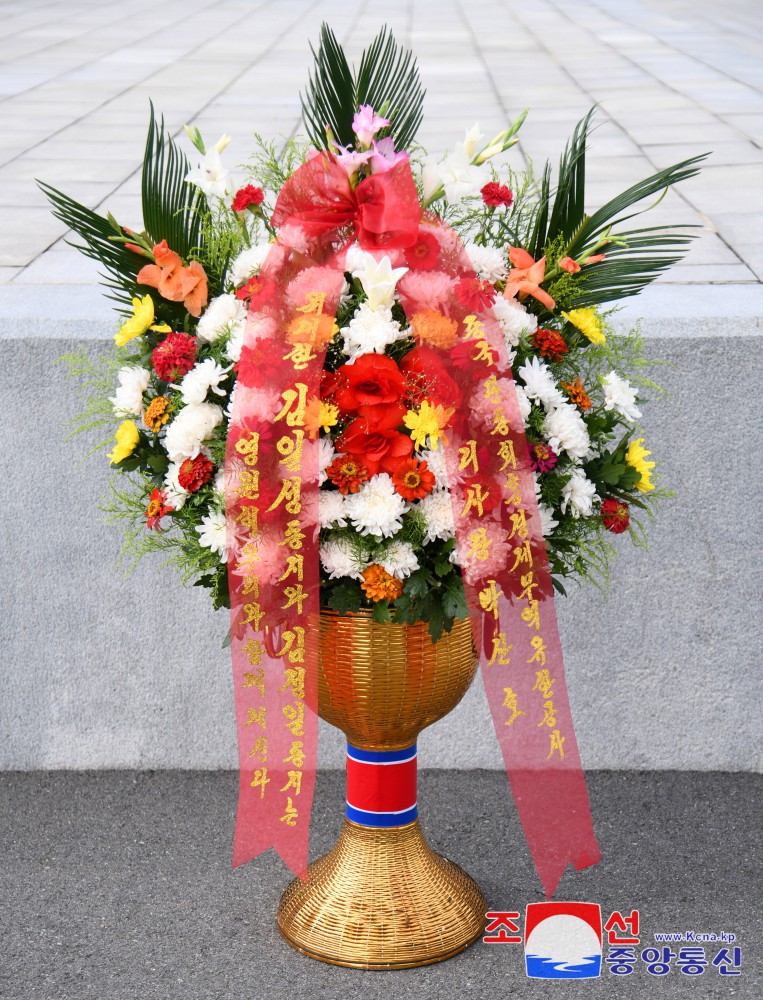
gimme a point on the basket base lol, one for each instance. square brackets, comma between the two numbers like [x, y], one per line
[382, 899]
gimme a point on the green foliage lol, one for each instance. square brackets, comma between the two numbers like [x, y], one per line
[388, 80]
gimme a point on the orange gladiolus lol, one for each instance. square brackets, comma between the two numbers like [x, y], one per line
[175, 282]
[525, 278]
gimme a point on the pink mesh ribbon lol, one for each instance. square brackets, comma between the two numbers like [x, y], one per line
[461, 365]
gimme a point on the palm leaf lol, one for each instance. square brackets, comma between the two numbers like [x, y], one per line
[171, 209]
[388, 78]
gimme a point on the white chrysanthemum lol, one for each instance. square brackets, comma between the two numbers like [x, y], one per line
[377, 277]
[223, 315]
[248, 263]
[326, 455]
[488, 262]
[176, 495]
[547, 522]
[525, 406]
[377, 508]
[438, 515]
[578, 494]
[331, 509]
[128, 399]
[213, 534]
[399, 559]
[370, 331]
[203, 378]
[338, 558]
[540, 384]
[194, 424]
[437, 465]
[210, 176]
[620, 395]
[513, 319]
[565, 430]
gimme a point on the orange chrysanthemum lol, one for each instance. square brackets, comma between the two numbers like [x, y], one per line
[577, 394]
[347, 474]
[312, 329]
[413, 480]
[157, 414]
[379, 585]
[431, 327]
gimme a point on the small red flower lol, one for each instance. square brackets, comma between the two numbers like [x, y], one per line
[615, 515]
[474, 295]
[413, 480]
[495, 195]
[347, 474]
[194, 472]
[550, 344]
[246, 196]
[157, 508]
[257, 292]
[174, 356]
[542, 458]
[424, 255]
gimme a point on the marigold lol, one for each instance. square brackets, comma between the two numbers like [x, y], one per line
[635, 456]
[379, 585]
[588, 323]
[615, 515]
[577, 394]
[550, 344]
[413, 480]
[315, 330]
[431, 327]
[347, 473]
[157, 508]
[157, 414]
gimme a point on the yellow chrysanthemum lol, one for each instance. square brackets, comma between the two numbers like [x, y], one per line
[328, 416]
[428, 422]
[635, 456]
[127, 438]
[141, 320]
[588, 323]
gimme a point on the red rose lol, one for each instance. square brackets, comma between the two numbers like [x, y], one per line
[382, 449]
[174, 356]
[373, 381]
[474, 295]
[495, 195]
[194, 472]
[246, 196]
[615, 515]
[428, 378]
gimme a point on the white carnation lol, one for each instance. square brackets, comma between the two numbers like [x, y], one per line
[578, 494]
[248, 263]
[377, 508]
[222, 316]
[565, 430]
[437, 510]
[194, 424]
[203, 378]
[370, 331]
[513, 319]
[331, 509]
[128, 399]
[213, 534]
[399, 559]
[620, 395]
[540, 384]
[338, 558]
[488, 262]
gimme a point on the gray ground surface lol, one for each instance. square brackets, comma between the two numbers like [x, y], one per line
[118, 885]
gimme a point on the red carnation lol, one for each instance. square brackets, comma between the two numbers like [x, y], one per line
[496, 195]
[246, 196]
[424, 255]
[374, 381]
[615, 515]
[174, 356]
[194, 472]
[474, 295]
[550, 344]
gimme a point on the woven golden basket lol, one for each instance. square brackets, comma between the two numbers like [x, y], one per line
[382, 899]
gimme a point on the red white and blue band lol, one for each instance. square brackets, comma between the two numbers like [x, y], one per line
[381, 786]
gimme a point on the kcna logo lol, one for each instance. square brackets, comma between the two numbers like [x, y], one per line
[563, 940]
